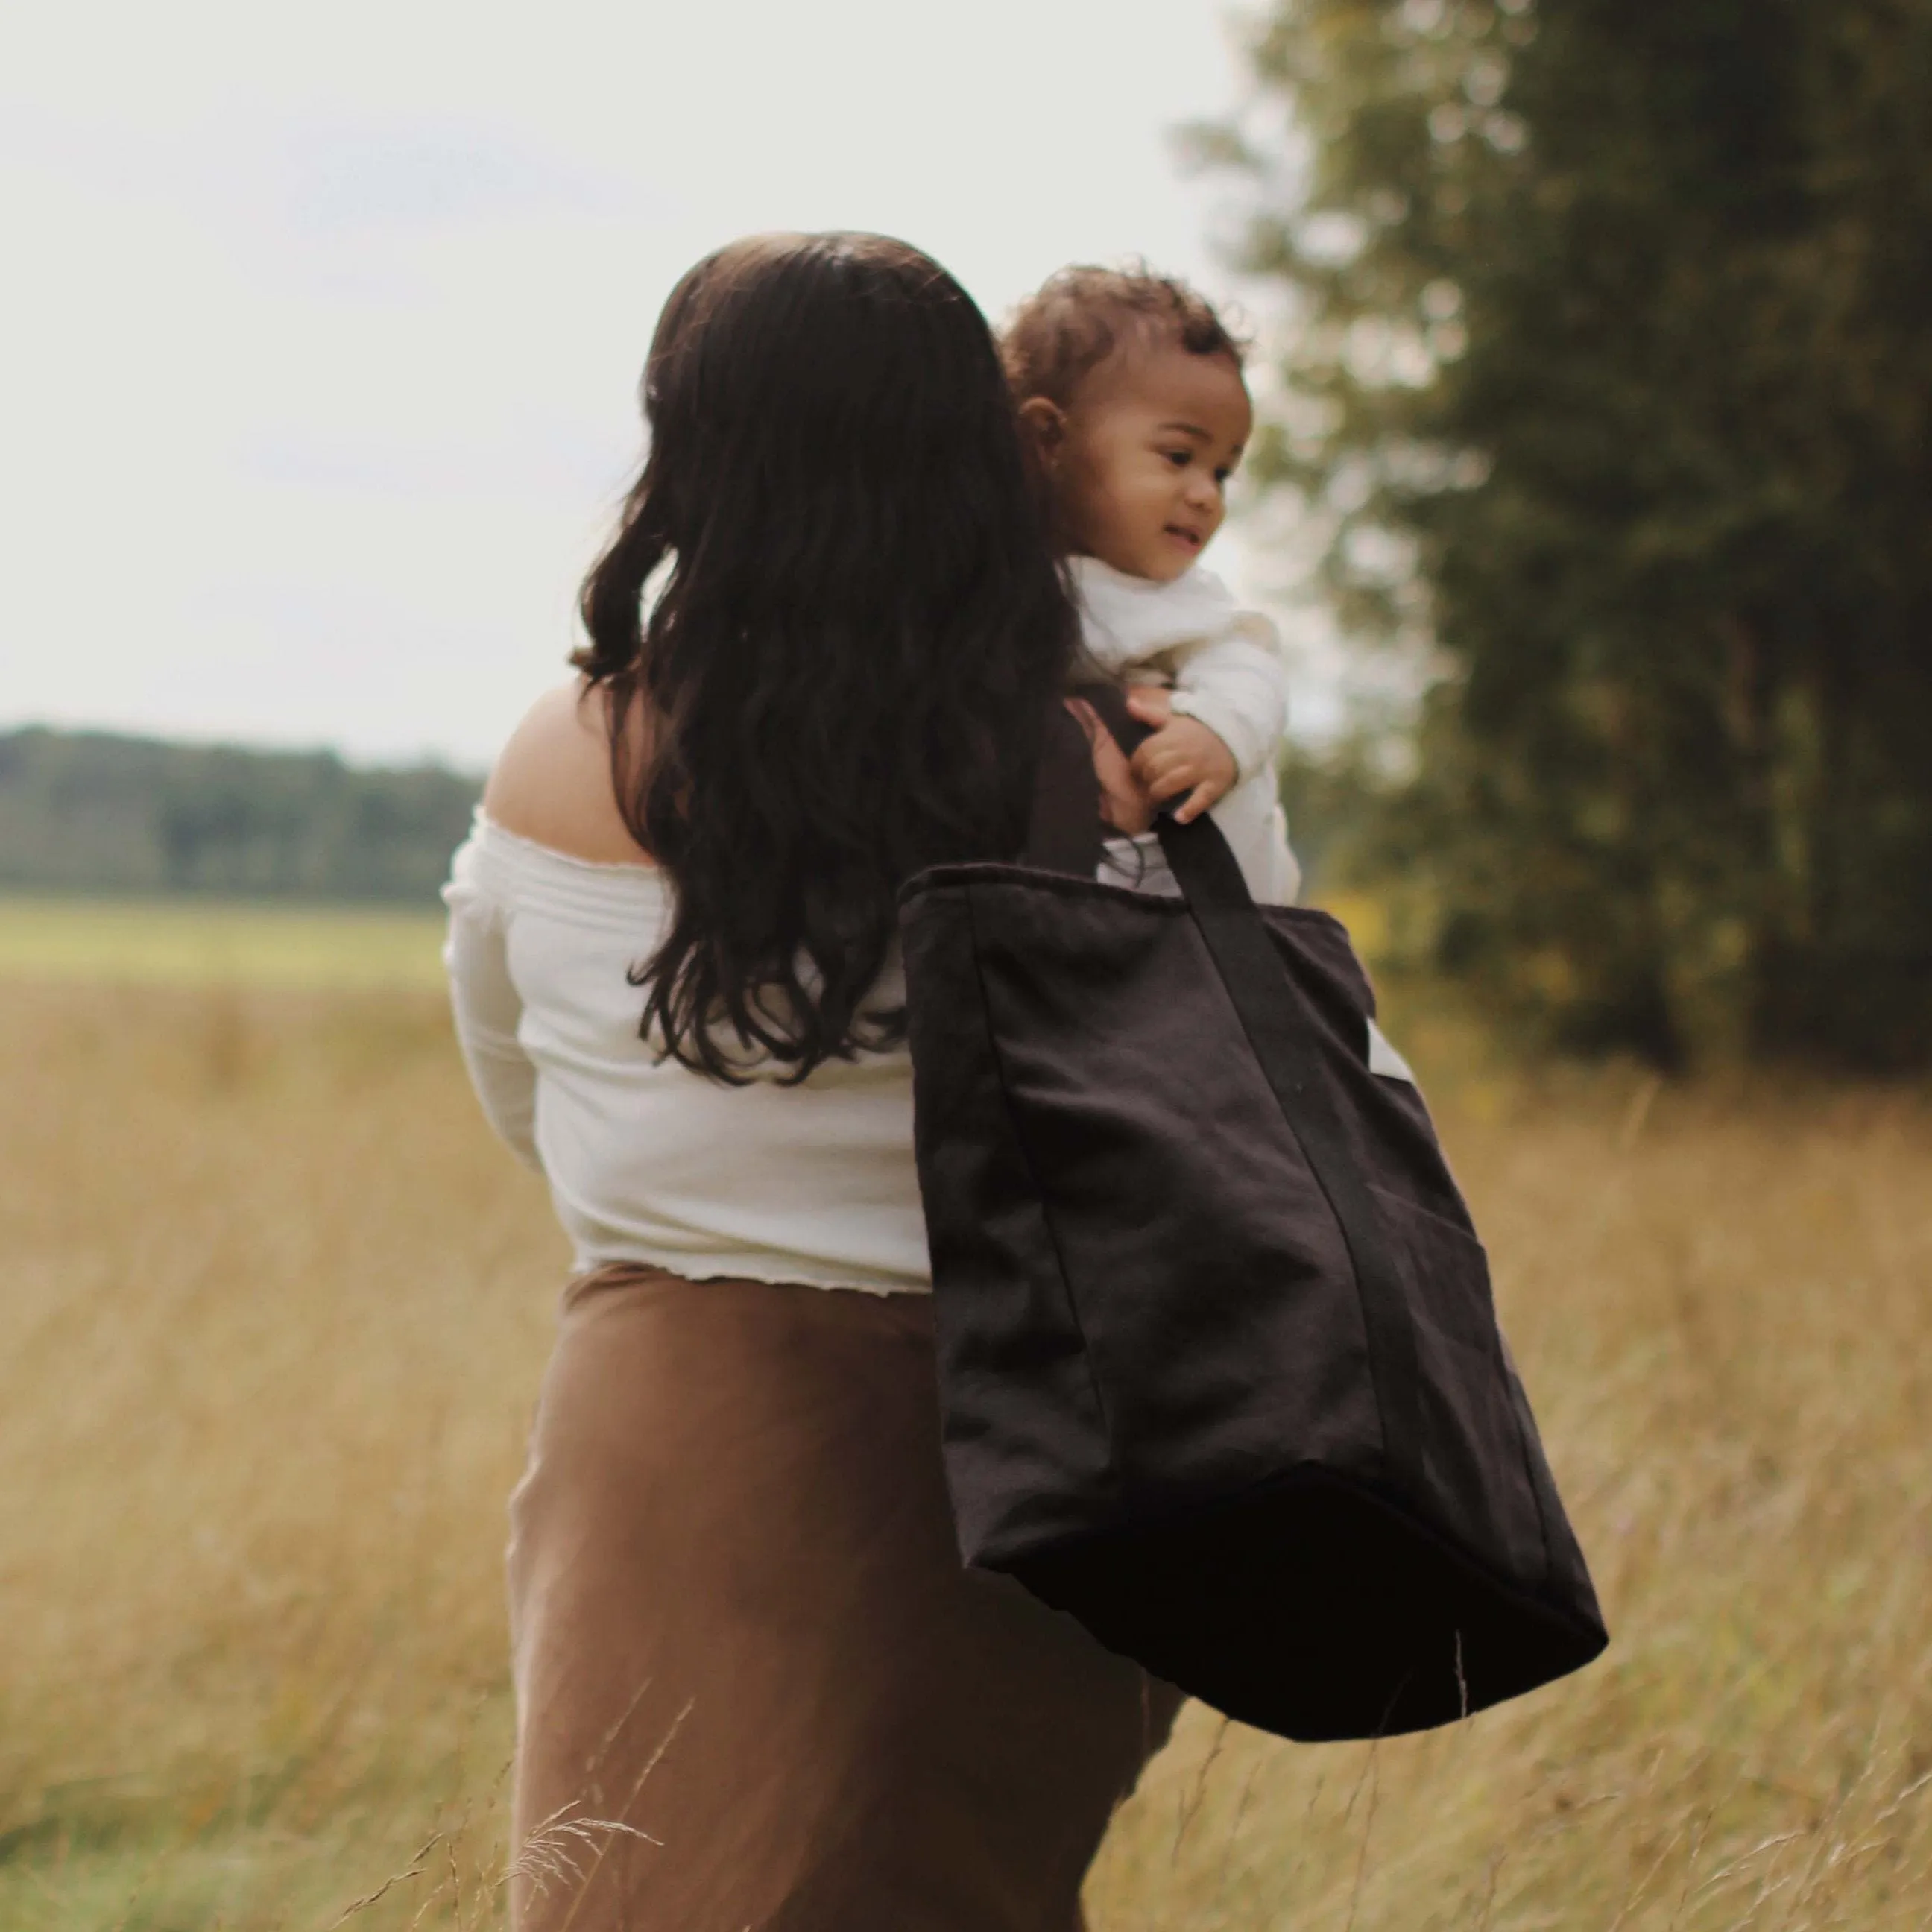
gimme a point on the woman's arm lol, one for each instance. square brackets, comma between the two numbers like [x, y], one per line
[486, 1006]
[1125, 803]
[551, 786]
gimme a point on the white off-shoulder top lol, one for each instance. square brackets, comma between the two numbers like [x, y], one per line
[648, 1161]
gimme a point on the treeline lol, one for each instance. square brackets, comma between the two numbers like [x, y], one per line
[88, 812]
[1606, 377]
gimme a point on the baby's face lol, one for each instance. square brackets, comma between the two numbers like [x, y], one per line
[1148, 446]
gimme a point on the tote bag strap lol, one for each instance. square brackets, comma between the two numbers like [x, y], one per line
[1285, 1043]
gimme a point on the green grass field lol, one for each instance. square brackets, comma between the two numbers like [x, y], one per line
[273, 1310]
[186, 943]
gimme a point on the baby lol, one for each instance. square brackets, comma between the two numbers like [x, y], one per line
[1130, 394]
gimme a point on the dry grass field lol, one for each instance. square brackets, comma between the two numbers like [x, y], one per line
[273, 1310]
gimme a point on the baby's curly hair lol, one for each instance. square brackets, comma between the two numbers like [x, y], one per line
[1057, 337]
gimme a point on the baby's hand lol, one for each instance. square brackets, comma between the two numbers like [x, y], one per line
[1183, 755]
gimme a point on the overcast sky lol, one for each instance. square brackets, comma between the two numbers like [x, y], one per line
[323, 323]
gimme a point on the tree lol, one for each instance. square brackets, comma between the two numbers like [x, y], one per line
[1608, 365]
[90, 812]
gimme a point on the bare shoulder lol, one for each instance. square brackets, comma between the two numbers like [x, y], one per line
[552, 782]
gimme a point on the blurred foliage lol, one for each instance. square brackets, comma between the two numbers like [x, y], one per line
[1337, 796]
[1606, 377]
[87, 812]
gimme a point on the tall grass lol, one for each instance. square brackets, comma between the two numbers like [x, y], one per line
[273, 1310]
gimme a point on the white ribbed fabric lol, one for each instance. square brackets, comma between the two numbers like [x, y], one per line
[647, 1161]
[1223, 661]
[1224, 665]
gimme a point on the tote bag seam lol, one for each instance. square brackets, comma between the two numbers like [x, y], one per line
[1519, 1407]
[1380, 1393]
[1492, 1348]
[1066, 1286]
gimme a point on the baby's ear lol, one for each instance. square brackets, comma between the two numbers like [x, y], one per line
[1043, 423]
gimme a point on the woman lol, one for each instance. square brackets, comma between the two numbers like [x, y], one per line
[755, 1687]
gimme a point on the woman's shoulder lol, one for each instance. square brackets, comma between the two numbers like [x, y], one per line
[552, 783]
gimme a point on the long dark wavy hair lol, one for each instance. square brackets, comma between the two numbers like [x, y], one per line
[855, 634]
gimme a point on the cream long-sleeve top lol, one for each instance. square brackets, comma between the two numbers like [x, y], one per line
[646, 1160]
[1223, 665]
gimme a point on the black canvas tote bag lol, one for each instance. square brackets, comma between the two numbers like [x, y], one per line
[1219, 1373]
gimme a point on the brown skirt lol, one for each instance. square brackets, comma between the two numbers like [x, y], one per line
[755, 1687]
